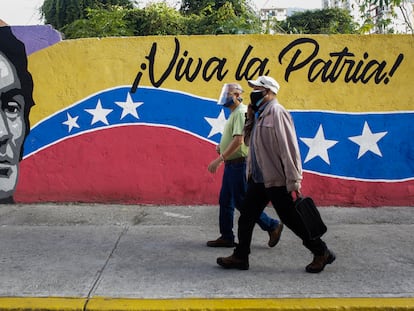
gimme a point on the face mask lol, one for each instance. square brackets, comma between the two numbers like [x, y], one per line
[229, 102]
[256, 98]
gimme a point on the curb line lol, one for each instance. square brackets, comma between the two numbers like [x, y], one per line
[41, 303]
[199, 304]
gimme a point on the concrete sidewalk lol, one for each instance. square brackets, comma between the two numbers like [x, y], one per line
[118, 257]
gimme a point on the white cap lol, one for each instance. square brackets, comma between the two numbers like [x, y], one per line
[266, 82]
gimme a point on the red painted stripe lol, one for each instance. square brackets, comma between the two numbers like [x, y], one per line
[153, 165]
[134, 164]
[328, 191]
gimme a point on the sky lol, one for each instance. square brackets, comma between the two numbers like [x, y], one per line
[26, 12]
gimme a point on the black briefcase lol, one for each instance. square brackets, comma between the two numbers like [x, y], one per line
[310, 216]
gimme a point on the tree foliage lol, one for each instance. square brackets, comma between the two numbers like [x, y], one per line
[197, 6]
[100, 23]
[102, 18]
[59, 13]
[218, 17]
[156, 19]
[93, 18]
[377, 14]
[326, 21]
[227, 20]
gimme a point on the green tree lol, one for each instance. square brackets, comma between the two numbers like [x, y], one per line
[100, 23]
[377, 14]
[197, 6]
[326, 21]
[156, 19]
[59, 13]
[218, 17]
[189, 7]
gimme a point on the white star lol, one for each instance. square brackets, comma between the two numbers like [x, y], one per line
[217, 124]
[71, 122]
[99, 113]
[129, 107]
[367, 141]
[318, 146]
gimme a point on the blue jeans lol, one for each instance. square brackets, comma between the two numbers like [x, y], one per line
[232, 193]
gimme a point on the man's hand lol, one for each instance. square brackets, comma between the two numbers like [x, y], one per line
[296, 195]
[214, 165]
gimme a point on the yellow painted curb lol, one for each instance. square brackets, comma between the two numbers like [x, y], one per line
[204, 304]
[285, 304]
[41, 304]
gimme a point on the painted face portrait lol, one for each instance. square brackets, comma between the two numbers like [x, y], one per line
[16, 88]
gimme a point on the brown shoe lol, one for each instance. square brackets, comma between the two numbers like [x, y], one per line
[233, 262]
[220, 242]
[319, 262]
[274, 236]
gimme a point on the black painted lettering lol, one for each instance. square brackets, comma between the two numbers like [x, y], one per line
[255, 66]
[293, 65]
[217, 68]
[397, 64]
[180, 73]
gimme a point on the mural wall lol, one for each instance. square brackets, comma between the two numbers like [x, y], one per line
[135, 120]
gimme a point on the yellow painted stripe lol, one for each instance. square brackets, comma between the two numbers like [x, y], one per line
[41, 304]
[276, 304]
[306, 304]
[72, 70]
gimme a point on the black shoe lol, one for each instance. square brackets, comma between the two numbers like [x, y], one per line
[220, 242]
[274, 236]
[319, 262]
[233, 262]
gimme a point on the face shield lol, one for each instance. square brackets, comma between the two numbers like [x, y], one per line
[227, 94]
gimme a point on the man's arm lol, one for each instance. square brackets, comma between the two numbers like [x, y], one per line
[289, 150]
[231, 148]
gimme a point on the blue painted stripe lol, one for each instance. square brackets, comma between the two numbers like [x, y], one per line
[394, 162]
[396, 147]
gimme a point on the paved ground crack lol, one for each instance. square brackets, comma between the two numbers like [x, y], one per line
[100, 272]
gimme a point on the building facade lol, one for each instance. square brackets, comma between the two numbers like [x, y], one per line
[385, 19]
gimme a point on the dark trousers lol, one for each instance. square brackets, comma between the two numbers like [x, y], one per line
[257, 198]
[233, 189]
